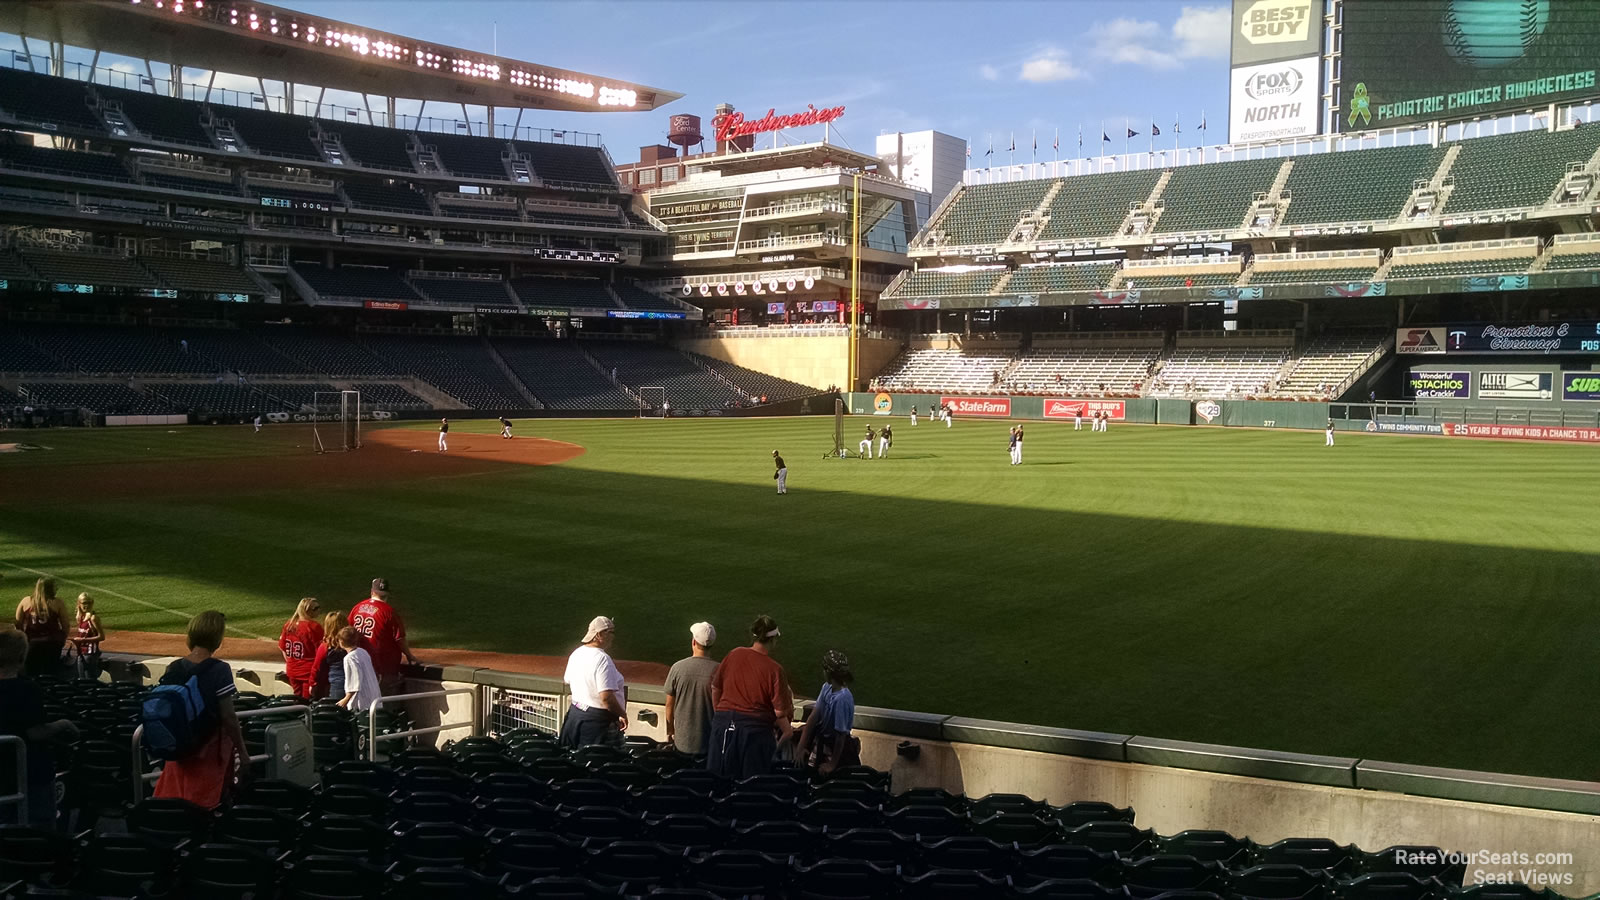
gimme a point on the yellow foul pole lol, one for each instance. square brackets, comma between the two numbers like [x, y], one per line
[851, 345]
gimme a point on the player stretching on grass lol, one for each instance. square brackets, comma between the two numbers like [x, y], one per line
[505, 427]
[866, 444]
[444, 435]
[781, 476]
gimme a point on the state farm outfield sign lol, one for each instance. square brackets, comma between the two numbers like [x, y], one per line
[999, 407]
[1071, 409]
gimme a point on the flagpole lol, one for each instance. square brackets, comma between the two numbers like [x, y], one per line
[1125, 129]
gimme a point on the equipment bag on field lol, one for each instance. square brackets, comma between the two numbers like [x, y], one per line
[178, 718]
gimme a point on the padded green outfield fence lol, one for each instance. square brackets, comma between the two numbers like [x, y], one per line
[1139, 410]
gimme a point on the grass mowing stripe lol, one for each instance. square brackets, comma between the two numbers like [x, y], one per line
[121, 596]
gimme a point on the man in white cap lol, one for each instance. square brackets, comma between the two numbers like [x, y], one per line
[688, 692]
[599, 712]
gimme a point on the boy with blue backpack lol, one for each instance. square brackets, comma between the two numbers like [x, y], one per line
[189, 721]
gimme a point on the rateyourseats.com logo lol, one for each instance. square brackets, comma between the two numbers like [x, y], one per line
[1552, 869]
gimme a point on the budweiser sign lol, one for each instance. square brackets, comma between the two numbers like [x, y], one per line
[1071, 409]
[978, 406]
[733, 125]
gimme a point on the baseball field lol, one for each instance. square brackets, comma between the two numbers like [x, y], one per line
[1421, 600]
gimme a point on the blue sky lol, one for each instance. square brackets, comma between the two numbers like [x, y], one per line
[966, 68]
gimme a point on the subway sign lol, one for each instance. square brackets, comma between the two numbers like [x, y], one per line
[1580, 386]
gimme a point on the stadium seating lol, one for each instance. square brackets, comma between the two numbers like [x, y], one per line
[18, 355]
[272, 134]
[294, 395]
[1472, 258]
[1334, 275]
[1075, 372]
[943, 282]
[462, 368]
[637, 298]
[236, 351]
[466, 209]
[1181, 272]
[115, 351]
[560, 375]
[308, 193]
[217, 398]
[200, 275]
[373, 147]
[1218, 372]
[1052, 279]
[52, 102]
[1356, 186]
[91, 166]
[356, 281]
[540, 290]
[756, 384]
[1326, 267]
[465, 292]
[943, 370]
[1093, 206]
[689, 384]
[105, 397]
[567, 164]
[165, 179]
[1515, 170]
[467, 156]
[100, 269]
[1578, 251]
[160, 118]
[391, 197]
[986, 213]
[1327, 362]
[332, 355]
[1213, 197]
[383, 396]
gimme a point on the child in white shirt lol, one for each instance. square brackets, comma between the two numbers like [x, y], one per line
[360, 679]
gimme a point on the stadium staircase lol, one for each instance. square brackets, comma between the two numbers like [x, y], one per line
[1382, 271]
[1149, 212]
[511, 375]
[605, 372]
[1579, 185]
[693, 360]
[1031, 225]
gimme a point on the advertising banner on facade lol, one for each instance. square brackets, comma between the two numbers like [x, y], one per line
[1515, 385]
[1525, 432]
[1419, 340]
[1580, 386]
[999, 407]
[1439, 385]
[1269, 30]
[1404, 428]
[1275, 101]
[1088, 409]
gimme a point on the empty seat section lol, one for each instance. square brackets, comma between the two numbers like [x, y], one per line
[946, 282]
[104, 397]
[1335, 275]
[1091, 206]
[201, 275]
[295, 395]
[112, 350]
[163, 178]
[233, 399]
[356, 281]
[943, 370]
[560, 375]
[1437, 266]
[987, 213]
[501, 212]
[47, 100]
[18, 354]
[80, 267]
[541, 290]
[469, 157]
[1327, 362]
[1356, 185]
[1052, 279]
[1516, 170]
[594, 219]
[1089, 370]
[637, 298]
[377, 148]
[273, 134]
[388, 396]
[1214, 197]
[639, 364]
[334, 355]
[1218, 371]
[1579, 256]
[236, 351]
[390, 197]
[461, 368]
[465, 292]
[564, 163]
[162, 118]
[756, 384]
[95, 166]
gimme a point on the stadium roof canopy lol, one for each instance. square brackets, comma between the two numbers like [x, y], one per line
[809, 156]
[277, 43]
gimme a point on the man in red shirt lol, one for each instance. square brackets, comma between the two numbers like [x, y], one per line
[383, 635]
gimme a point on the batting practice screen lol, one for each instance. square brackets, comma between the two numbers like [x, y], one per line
[1408, 61]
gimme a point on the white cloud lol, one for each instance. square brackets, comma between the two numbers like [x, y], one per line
[1050, 64]
[988, 72]
[1199, 32]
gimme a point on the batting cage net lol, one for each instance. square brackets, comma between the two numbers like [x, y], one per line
[336, 420]
[838, 430]
[653, 403]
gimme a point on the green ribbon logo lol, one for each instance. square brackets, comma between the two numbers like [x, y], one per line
[1360, 106]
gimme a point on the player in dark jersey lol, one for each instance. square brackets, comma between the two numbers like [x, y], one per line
[781, 474]
[885, 440]
[865, 446]
[444, 434]
[505, 427]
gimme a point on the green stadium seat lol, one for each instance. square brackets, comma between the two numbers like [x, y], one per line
[1056, 279]
[1340, 275]
[986, 213]
[1214, 197]
[1356, 186]
[1515, 170]
[1093, 206]
[1568, 261]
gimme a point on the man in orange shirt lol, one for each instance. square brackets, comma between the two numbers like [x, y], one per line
[754, 707]
[383, 635]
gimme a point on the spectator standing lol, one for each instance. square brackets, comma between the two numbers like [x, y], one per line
[688, 691]
[754, 706]
[22, 715]
[206, 776]
[43, 619]
[87, 637]
[825, 740]
[599, 712]
[362, 687]
[383, 635]
[329, 661]
[298, 641]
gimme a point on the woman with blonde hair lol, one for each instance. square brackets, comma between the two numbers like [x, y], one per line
[87, 637]
[329, 662]
[42, 617]
[298, 641]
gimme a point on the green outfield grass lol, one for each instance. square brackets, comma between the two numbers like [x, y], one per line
[1409, 599]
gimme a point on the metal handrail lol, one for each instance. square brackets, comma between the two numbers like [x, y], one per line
[21, 797]
[372, 718]
[138, 749]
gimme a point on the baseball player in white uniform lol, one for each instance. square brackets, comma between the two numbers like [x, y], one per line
[1330, 434]
[864, 449]
[949, 416]
[913, 416]
[1077, 419]
[505, 427]
[444, 434]
[258, 421]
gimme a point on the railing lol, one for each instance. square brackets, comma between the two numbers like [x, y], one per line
[476, 722]
[1164, 262]
[1584, 238]
[20, 798]
[1364, 366]
[303, 181]
[1411, 411]
[793, 240]
[1372, 254]
[140, 777]
[764, 212]
[1524, 243]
